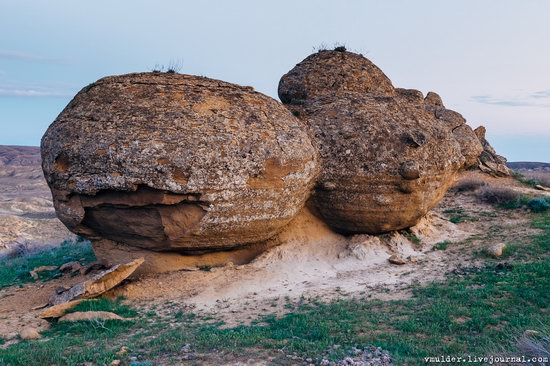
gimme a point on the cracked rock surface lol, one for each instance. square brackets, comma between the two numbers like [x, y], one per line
[388, 155]
[489, 161]
[177, 162]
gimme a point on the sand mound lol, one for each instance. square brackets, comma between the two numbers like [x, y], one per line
[311, 260]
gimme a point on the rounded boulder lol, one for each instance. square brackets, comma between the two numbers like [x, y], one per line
[175, 162]
[388, 155]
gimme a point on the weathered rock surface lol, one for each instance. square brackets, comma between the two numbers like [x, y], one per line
[489, 161]
[177, 162]
[388, 154]
[110, 253]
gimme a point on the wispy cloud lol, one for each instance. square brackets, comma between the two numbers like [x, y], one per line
[31, 91]
[23, 56]
[540, 99]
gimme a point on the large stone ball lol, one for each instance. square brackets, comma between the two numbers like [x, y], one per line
[328, 72]
[388, 155]
[177, 162]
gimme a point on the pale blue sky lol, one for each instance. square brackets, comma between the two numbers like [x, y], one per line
[489, 60]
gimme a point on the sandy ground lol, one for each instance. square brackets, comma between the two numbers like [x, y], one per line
[312, 262]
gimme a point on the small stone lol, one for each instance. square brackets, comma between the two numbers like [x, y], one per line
[531, 333]
[115, 363]
[29, 333]
[397, 259]
[70, 267]
[496, 250]
[189, 356]
[123, 350]
[186, 348]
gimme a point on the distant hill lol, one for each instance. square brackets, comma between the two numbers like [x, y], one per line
[13, 156]
[528, 165]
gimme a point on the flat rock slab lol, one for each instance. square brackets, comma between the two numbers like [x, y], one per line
[99, 284]
[90, 315]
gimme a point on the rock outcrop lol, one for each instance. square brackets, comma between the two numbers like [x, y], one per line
[489, 161]
[388, 155]
[173, 162]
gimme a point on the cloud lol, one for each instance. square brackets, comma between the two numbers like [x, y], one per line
[17, 55]
[34, 91]
[540, 99]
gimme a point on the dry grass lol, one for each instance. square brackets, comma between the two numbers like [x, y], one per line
[469, 184]
[540, 177]
[500, 196]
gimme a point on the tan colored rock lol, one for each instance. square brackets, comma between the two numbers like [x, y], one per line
[496, 250]
[98, 284]
[388, 155]
[70, 267]
[328, 72]
[35, 272]
[57, 311]
[90, 315]
[397, 259]
[177, 162]
[489, 161]
[542, 188]
[29, 333]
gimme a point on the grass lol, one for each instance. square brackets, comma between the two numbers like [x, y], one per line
[442, 245]
[534, 178]
[470, 184]
[458, 215]
[15, 271]
[411, 237]
[475, 311]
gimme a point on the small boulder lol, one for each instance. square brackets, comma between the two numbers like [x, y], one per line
[530, 333]
[28, 333]
[71, 267]
[496, 250]
[397, 259]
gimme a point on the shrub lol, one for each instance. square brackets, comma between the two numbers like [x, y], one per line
[533, 178]
[501, 196]
[538, 204]
[539, 177]
[469, 184]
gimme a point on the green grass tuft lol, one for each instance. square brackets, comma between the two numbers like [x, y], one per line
[15, 271]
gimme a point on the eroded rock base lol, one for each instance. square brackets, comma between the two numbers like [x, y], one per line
[110, 253]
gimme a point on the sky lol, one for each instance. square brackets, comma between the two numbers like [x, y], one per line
[489, 60]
